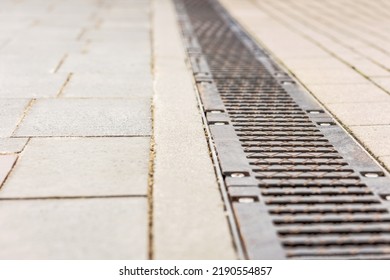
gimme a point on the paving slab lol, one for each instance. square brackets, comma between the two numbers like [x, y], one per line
[12, 145]
[374, 113]
[188, 220]
[87, 117]
[386, 161]
[87, 63]
[6, 164]
[328, 76]
[349, 93]
[375, 137]
[10, 114]
[74, 229]
[384, 82]
[109, 86]
[31, 85]
[80, 167]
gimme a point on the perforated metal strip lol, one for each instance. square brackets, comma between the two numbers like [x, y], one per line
[299, 185]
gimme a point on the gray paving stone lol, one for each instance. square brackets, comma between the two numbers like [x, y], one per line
[68, 167]
[31, 86]
[12, 145]
[74, 229]
[100, 85]
[10, 114]
[87, 117]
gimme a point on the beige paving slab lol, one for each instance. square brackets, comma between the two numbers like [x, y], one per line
[362, 114]
[109, 86]
[375, 137]
[68, 167]
[328, 76]
[384, 82]
[87, 117]
[349, 93]
[12, 145]
[188, 217]
[31, 86]
[6, 164]
[87, 63]
[74, 229]
[10, 114]
[386, 161]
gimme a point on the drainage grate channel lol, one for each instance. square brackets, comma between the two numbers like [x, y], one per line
[298, 185]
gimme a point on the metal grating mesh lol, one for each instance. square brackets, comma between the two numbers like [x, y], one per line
[319, 201]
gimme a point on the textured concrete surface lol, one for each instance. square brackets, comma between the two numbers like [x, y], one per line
[87, 85]
[12, 145]
[105, 228]
[80, 167]
[185, 188]
[10, 114]
[6, 164]
[338, 50]
[71, 68]
[77, 80]
[87, 117]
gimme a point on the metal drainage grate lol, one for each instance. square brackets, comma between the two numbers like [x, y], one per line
[299, 186]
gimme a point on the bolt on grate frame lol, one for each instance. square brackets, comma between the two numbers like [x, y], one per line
[299, 186]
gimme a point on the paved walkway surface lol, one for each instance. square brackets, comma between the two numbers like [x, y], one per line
[82, 174]
[102, 147]
[339, 50]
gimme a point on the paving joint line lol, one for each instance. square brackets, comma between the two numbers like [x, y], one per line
[70, 197]
[62, 89]
[60, 63]
[25, 112]
[152, 152]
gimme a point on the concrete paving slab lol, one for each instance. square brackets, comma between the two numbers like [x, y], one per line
[120, 35]
[70, 167]
[74, 229]
[188, 217]
[31, 85]
[116, 50]
[86, 63]
[329, 76]
[374, 113]
[84, 85]
[6, 164]
[349, 93]
[375, 137]
[87, 117]
[386, 161]
[10, 114]
[384, 82]
[12, 145]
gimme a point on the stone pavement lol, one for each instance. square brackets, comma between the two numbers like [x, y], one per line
[339, 50]
[83, 174]
[102, 147]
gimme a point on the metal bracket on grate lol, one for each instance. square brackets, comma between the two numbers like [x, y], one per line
[299, 186]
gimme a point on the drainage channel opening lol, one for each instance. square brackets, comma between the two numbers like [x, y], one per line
[304, 189]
